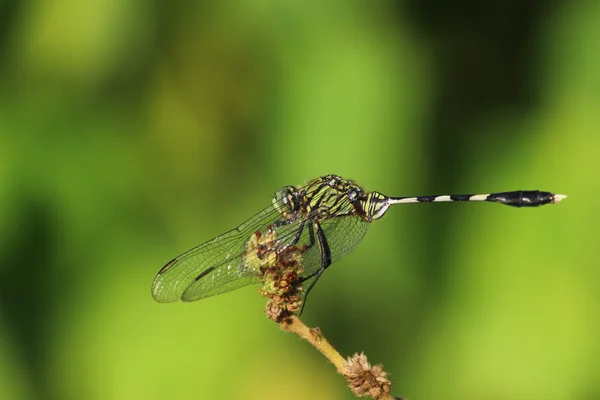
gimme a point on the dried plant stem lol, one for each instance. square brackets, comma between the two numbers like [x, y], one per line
[363, 379]
[314, 337]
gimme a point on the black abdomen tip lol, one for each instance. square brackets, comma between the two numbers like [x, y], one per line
[523, 198]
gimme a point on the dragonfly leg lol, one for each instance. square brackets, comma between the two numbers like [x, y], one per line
[281, 222]
[311, 236]
[297, 235]
[325, 259]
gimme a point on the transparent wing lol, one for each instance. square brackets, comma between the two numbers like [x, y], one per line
[232, 274]
[343, 235]
[218, 263]
[218, 266]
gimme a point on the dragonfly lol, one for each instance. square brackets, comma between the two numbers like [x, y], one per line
[328, 217]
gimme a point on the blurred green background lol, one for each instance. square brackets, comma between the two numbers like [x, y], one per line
[131, 131]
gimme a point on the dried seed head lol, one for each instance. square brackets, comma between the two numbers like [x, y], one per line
[365, 380]
[282, 283]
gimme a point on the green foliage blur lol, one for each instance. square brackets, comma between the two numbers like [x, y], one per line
[131, 131]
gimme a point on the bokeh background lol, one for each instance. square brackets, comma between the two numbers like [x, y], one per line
[131, 131]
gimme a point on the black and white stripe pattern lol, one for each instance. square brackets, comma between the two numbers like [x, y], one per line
[519, 198]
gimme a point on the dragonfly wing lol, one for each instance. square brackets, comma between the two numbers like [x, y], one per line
[343, 235]
[225, 277]
[222, 254]
[234, 273]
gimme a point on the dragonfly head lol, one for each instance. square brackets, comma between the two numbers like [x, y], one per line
[286, 202]
[369, 206]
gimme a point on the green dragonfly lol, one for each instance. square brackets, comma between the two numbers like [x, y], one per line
[327, 217]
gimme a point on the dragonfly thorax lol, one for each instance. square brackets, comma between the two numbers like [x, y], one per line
[329, 196]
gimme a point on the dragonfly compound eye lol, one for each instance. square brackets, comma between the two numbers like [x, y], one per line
[286, 201]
